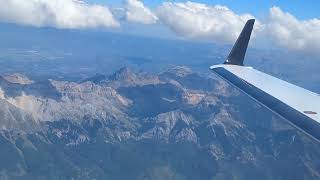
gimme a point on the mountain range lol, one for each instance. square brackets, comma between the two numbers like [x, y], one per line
[176, 124]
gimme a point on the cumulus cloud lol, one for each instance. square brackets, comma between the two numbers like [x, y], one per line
[287, 31]
[219, 23]
[137, 12]
[196, 20]
[70, 14]
[189, 20]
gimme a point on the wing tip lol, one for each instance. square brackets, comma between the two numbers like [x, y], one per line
[238, 52]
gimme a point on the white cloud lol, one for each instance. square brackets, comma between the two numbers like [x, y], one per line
[188, 20]
[287, 31]
[219, 23]
[195, 20]
[56, 13]
[137, 12]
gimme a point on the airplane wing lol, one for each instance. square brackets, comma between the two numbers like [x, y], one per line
[298, 106]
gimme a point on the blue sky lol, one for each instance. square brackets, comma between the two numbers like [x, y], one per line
[303, 9]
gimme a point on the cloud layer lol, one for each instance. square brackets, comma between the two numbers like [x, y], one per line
[287, 31]
[56, 13]
[188, 20]
[219, 23]
[137, 12]
[195, 20]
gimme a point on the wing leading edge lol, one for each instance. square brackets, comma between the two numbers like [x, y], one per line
[300, 107]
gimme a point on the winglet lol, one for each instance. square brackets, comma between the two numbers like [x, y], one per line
[238, 52]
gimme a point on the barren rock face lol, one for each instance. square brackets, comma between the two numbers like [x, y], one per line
[193, 97]
[126, 78]
[180, 71]
[18, 79]
[77, 102]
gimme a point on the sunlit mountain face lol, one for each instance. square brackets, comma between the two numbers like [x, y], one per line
[100, 105]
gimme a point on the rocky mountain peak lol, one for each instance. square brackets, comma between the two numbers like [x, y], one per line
[18, 79]
[171, 124]
[95, 79]
[123, 74]
[180, 71]
[125, 77]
